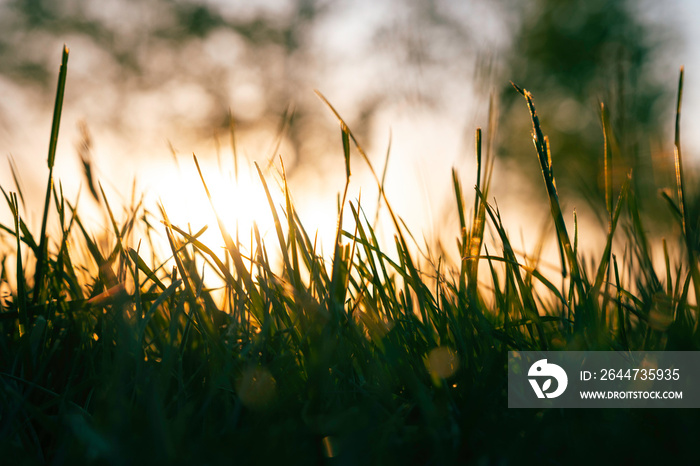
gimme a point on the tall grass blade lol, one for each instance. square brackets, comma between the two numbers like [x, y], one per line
[478, 227]
[605, 260]
[383, 181]
[16, 178]
[527, 302]
[541, 147]
[348, 131]
[24, 320]
[233, 250]
[278, 228]
[234, 146]
[463, 238]
[687, 227]
[55, 125]
[607, 156]
[292, 230]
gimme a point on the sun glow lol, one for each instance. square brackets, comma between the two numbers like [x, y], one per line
[240, 202]
[237, 200]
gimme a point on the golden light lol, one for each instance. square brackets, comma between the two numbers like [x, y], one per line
[239, 201]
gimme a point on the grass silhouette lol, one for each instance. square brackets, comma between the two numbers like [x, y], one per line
[371, 356]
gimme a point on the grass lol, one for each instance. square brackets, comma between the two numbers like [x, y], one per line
[378, 354]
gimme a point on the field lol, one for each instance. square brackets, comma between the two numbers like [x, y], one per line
[378, 354]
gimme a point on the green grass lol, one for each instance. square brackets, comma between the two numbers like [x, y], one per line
[379, 354]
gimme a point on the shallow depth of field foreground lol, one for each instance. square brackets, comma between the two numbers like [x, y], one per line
[372, 354]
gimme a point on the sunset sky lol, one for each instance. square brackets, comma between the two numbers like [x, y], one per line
[425, 83]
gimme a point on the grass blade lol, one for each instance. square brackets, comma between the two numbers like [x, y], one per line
[55, 125]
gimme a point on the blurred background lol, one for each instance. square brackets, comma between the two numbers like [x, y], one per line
[151, 82]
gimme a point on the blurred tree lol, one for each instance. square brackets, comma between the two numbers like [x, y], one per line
[209, 49]
[572, 55]
[281, 47]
